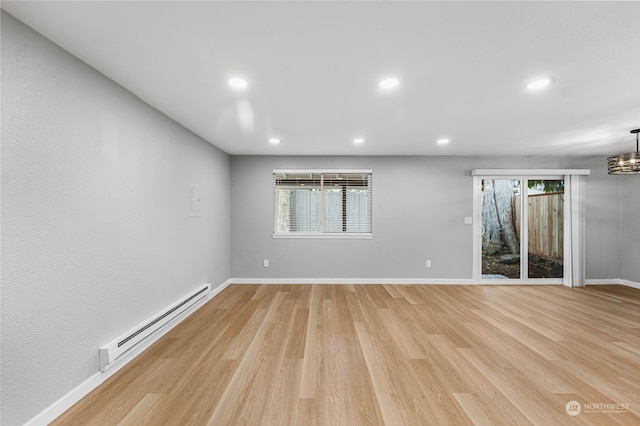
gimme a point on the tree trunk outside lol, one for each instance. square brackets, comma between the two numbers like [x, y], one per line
[283, 216]
[491, 226]
[503, 193]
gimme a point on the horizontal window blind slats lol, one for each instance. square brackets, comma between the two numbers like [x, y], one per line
[335, 202]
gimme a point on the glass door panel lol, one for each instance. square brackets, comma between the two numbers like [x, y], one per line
[500, 230]
[545, 223]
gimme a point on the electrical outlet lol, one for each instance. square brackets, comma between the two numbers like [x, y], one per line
[427, 264]
[468, 220]
[265, 263]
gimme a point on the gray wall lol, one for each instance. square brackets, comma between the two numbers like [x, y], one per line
[410, 224]
[96, 233]
[630, 227]
[403, 237]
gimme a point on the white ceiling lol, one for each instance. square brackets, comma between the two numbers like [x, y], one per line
[313, 70]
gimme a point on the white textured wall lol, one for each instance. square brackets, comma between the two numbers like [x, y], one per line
[96, 232]
[419, 205]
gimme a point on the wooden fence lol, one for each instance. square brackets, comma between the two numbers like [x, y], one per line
[546, 223]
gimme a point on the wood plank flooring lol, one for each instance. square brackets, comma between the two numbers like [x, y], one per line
[386, 355]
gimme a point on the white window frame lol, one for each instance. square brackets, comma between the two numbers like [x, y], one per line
[344, 235]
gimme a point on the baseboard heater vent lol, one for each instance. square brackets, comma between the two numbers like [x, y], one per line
[114, 350]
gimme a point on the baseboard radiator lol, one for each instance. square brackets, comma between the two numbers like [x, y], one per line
[117, 348]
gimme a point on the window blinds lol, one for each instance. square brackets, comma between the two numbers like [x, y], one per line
[315, 202]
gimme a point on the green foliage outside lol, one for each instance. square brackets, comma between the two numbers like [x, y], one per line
[547, 186]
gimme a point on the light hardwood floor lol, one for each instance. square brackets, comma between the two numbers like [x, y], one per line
[386, 354]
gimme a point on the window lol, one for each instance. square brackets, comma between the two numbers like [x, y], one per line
[322, 203]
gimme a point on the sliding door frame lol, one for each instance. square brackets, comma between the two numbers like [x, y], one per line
[573, 262]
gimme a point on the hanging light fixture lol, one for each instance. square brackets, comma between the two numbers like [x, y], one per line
[625, 164]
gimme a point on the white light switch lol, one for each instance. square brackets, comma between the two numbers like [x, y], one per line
[266, 263]
[468, 220]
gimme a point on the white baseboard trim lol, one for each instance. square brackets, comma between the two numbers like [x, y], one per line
[630, 283]
[429, 281]
[608, 281]
[63, 404]
[613, 281]
[443, 281]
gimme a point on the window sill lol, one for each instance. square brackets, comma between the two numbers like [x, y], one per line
[325, 235]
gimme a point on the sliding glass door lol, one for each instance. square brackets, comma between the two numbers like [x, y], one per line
[545, 228]
[522, 228]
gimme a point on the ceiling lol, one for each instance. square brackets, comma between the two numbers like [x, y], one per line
[313, 70]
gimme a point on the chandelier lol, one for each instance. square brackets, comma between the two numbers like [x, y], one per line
[625, 164]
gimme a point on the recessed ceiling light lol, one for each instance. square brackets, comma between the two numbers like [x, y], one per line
[389, 83]
[538, 84]
[274, 141]
[443, 141]
[358, 140]
[238, 83]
